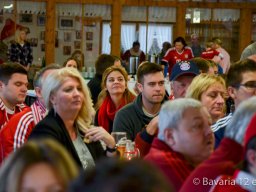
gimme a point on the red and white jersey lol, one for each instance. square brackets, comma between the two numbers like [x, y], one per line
[16, 132]
[6, 114]
[209, 54]
[172, 56]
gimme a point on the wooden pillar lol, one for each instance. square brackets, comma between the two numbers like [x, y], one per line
[50, 32]
[245, 34]
[116, 20]
[180, 22]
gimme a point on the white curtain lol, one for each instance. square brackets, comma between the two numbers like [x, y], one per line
[128, 35]
[142, 37]
[159, 31]
[164, 33]
[106, 35]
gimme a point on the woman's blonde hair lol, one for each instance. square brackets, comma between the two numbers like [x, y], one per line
[127, 95]
[32, 153]
[201, 83]
[17, 33]
[52, 84]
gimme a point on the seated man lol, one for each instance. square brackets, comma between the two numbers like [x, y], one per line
[241, 85]
[184, 140]
[13, 90]
[16, 132]
[228, 155]
[181, 77]
[133, 117]
[135, 51]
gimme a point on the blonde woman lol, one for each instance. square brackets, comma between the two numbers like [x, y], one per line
[20, 50]
[70, 116]
[211, 91]
[114, 95]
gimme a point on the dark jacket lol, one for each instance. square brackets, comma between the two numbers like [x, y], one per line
[52, 126]
[95, 87]
[131, 118]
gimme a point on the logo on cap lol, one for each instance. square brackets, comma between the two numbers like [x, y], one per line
[184, 66]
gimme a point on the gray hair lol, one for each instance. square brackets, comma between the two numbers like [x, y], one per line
[242, 116]
[172, 112]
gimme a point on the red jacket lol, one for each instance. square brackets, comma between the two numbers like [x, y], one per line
[222, 161]
[16, 132]
[5, 115]
[174, 166]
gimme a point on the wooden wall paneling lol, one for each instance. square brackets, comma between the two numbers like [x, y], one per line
[245, 28]
[116, 20]
[180, 29]
[50, 32]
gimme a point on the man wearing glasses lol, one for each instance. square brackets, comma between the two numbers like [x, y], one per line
[241, 85]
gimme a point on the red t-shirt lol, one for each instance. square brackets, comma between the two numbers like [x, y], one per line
[172, 56]
[209, 54]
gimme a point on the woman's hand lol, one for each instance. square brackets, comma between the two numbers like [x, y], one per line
[99, 133]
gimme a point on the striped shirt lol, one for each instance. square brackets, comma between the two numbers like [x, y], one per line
[18, 129]
[219, 128]
[6, 114]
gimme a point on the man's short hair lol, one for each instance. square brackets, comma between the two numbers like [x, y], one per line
[234, 76]
[136, 43]
[103, 62]
[147, 68]
[172, 112]
[8, 69]
[37, 81]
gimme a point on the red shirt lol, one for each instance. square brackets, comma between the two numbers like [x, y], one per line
[5, 116]
[16, 132]
[172, 56]
[209, 54]
[173, 164]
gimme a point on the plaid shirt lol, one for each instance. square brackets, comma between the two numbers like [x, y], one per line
[21, 54]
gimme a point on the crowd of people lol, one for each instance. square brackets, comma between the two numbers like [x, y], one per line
[196, 137]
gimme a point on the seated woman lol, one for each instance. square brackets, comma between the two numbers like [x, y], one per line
[38, 166]
[69, 119]
[114, 95]
[72, 62]
[210, 90]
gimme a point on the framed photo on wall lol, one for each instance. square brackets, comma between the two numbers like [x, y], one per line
[41, 20]
[78, 35]
[25, 18]
[66, 50]
[66, 22]
[89, 36]
[77, 44]
[67, 36]
[88, 46]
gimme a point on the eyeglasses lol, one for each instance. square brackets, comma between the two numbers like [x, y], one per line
[250, 85]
